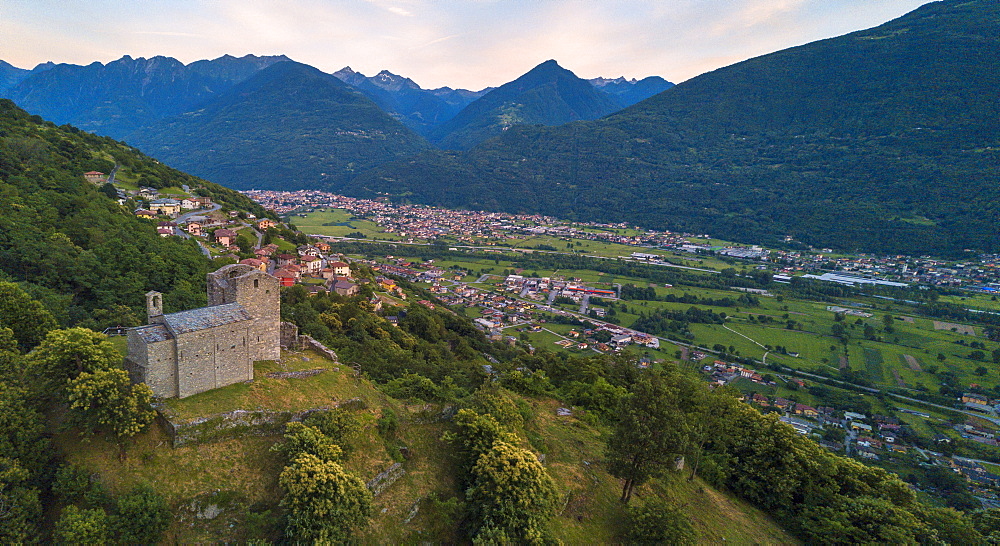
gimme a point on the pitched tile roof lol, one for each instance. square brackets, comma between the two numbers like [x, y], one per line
[152, 333]
[206, 317]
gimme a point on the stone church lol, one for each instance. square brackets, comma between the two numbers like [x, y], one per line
[185, 353]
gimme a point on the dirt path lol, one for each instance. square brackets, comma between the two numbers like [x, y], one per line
[899, 380]
[912, 362]
[960, 328]
[844, 363]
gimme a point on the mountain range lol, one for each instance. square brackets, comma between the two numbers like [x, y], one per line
[287, 124]
[242, 124]
[880, 140]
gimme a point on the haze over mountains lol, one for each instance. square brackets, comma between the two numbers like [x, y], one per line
[882, 140]
[245, 123]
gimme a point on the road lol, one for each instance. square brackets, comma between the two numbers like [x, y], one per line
[111, 177]
[187, 216]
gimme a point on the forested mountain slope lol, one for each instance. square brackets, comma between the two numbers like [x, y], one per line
[881, 140]
[89, 259]
[289, 126]
[546, 95]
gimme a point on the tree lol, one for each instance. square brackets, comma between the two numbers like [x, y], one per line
[324, 502]
[511, 494]
[28, 319]
[64, 354]
[888, 323]
[107, 399]
[301, 438]
[141, 516]
[76, 526]
[657, 521]
[339, 424]
[20, 508]
[650, 432]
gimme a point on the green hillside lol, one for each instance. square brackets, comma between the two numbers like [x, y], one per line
[882, 140]
[70, 244]
[239, 474]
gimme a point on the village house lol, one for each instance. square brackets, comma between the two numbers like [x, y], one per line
[340, 268]
[308, 250]
[225, 237]
[166, 229]
[802, 409]
[95, 177]
[345, 288]
[167, 207]
[260, 265]
[194, 228]
[188, 204]
[311, 264]
[266, 224]
[286, 276]
[147, 214]
[204, 202]
[286, 259]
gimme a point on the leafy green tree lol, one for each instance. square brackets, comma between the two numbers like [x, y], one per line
[76, 526]
[657, 521]
[476, 434]
[301, 438]
[20, 508]
[888, 323]
[73, 485]
[64, 354]
[338, 424]
[324, 502]
[141, 516]
[107, 399]
[650, 433]
[987, 522]
[511, 493]
[28, 319]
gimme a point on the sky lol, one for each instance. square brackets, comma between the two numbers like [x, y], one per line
[468, 44]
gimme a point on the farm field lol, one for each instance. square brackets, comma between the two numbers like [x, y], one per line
[906, 353]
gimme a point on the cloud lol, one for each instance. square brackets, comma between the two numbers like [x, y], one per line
[399, 11]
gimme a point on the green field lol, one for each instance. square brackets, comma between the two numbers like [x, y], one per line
[339, 223]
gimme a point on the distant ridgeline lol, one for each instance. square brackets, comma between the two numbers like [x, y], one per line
[71, 245]
[882, 140]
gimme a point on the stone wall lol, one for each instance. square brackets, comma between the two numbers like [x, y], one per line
[233, 424]
[310, 343]
[212, 358]
[289, 336]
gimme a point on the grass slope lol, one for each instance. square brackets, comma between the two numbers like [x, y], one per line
[239, 475]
